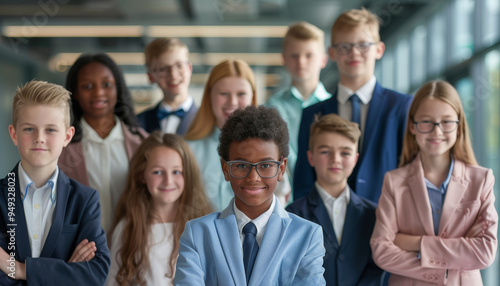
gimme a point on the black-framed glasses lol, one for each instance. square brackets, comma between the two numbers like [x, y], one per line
[426, 126]
[169, 69]
[241, 169]
[346, 48]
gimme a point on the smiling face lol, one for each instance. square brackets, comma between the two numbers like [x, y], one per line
[229, 94]
[253, 195]
[96, 91]
[304, 59]
[356, 67]
[333, 157]
[164, 176]
[40, 135]
[436, 143]
[172, 72]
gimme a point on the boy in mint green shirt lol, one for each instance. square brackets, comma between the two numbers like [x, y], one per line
[304, 56]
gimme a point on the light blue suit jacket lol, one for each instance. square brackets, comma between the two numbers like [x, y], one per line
[210, 251]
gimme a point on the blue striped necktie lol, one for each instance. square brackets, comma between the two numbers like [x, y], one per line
[356, 108]
[250, 248]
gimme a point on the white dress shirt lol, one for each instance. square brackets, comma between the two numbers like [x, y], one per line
[39, 205]
[107, 166]
[260, 222]
[170, 123]
[336, 208]
[364, 93]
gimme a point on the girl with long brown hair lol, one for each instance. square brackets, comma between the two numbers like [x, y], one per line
[164, 191]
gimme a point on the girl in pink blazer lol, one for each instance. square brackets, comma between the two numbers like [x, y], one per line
[436, 219]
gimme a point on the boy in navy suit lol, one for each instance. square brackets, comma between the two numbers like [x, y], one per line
[254, 241]
[381, 113]
[50, 225]
[347, 219]
[167, 61]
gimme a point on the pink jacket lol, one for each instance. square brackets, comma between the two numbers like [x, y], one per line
[449, 258]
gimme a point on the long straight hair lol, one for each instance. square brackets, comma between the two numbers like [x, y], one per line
[204, 122]
[135, 208]
[442, 90]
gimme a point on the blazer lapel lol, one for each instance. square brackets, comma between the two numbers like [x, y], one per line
[420, 196]
[352, 222]
[275, 232]
[22, 236]
[227, 230]
[59, 213]
[322, 217]
[454, 194]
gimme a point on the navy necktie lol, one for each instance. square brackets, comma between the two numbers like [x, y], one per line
[356, 109]
[250, 248]
[162, 113]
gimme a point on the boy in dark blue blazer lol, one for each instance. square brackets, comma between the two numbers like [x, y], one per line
[347, 219]
[50, 225]
[381, 113]
[254, 241]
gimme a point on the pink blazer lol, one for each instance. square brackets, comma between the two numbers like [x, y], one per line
[72, 161]
[449, 258]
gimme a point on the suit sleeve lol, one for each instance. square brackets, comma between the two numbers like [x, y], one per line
[54, 271]
[466, 253]
[189, 269]
[310, 270]
[389, 256]
[304, 176]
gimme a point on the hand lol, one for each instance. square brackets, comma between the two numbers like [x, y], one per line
[408, 242]
[479, 227]
[84, 251]
[12, 267]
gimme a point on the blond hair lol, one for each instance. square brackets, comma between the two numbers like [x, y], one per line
[442, 90]
[336, 124]
[305, 32]
[161, 45]
[355, 18]
[41, 93]
[205, 121]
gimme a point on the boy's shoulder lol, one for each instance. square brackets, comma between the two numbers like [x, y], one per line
[276, 98]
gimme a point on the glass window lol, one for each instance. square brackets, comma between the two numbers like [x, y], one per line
[388, 70]
[463, 27]
[437, 43]
[465, 88]
[403, 65]
[491, 22]
[418, 53]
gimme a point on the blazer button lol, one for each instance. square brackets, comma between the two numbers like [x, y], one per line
[432, 261]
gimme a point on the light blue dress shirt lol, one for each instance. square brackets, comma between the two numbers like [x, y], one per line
[290, 103]
[436, 197]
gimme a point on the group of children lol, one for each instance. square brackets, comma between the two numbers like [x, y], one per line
[435, 222]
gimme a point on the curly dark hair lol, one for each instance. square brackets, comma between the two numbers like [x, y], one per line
[123, 109]
[259, 122]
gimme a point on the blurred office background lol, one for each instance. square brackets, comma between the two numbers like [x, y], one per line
[455, 40]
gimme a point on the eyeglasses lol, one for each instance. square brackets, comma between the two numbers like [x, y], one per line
[168, 69]
[446, 126]
[346, 48]
[265, 169]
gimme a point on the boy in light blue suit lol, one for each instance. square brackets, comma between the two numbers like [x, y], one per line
[381, 113]
[50, 225]
[254, 241]
[347, 219]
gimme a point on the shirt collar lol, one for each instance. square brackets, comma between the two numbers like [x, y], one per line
[186, 105]
[26, 183]
[90, 135]
[318, 93]
[444, 185]
[260, 222]
[326, 197]
[364, 93]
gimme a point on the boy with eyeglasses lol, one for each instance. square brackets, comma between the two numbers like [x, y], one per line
[167, 61]
[381, 113]
[254, 241]
[346, 218]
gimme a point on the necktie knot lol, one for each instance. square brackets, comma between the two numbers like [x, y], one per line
[250, 228]
[162, 113]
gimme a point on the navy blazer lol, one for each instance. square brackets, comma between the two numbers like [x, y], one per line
[149, 120]
[382, 143]
[350, 263]
[77, 216]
